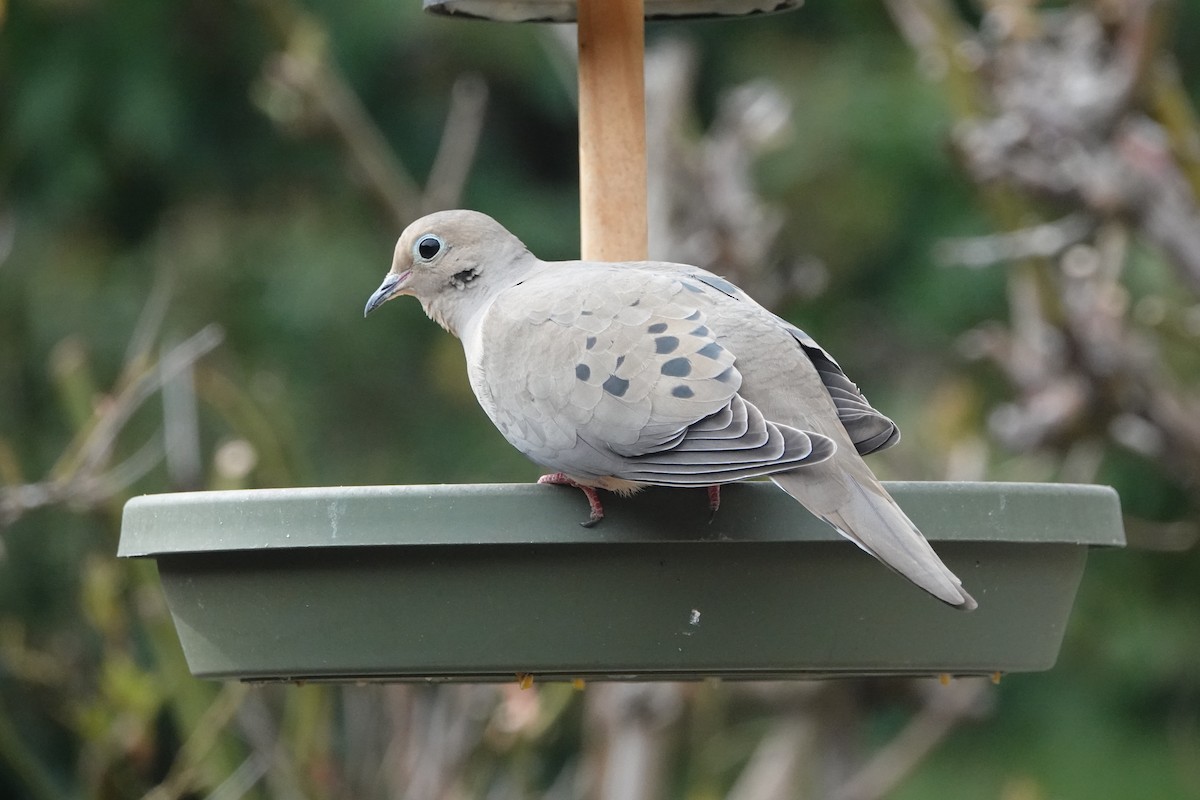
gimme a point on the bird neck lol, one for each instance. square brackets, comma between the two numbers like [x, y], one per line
[457, 307]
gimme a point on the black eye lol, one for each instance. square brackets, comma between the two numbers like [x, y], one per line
[428, 246]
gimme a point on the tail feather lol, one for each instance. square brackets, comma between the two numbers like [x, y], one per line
[868, 516]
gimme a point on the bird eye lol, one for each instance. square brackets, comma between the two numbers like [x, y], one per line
[428, 246]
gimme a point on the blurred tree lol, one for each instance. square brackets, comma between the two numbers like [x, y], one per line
[195, 199]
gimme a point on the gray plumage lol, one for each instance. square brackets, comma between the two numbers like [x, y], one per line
[648, 373]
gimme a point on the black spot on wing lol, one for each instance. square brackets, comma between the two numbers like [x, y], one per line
[726, 376]
[666, 344]
[677, 367]
[583, 372]
[616, 386]
[683, 392]
[590, 343]
[657, 327]
[711, 350]
[695, 315]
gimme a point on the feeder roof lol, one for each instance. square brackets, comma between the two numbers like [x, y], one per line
[564, 10]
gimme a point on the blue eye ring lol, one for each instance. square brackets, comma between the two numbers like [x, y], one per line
[427, 247]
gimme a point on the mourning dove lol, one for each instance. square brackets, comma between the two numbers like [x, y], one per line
[622, 375]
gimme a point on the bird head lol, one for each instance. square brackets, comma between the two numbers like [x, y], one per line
[450, 261]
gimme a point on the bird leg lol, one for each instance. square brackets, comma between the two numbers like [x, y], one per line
[714, 500]
[593, 497]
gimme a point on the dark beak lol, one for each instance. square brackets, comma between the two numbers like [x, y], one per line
[383, 293]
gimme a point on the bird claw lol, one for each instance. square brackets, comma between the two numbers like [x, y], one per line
[593, 497]
[714, 501]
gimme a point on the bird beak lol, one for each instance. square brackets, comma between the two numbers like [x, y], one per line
[386, 291]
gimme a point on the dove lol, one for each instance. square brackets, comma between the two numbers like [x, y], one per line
[617, 376]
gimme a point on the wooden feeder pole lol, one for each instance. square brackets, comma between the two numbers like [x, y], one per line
[612, 130]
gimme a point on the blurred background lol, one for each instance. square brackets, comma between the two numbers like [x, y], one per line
[986, 210]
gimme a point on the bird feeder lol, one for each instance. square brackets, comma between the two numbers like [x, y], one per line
[567, 10]
[487, 582]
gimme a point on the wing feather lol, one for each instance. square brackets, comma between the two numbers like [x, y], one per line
[618, 375]
[869, 429]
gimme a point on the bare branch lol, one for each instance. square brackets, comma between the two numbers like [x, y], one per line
[338, 108]
[629, 723]
[149, 323]
[305, 88]
[94, 490]
[434, 731]
[775, 767]
[181, 779]
[98, 445]
[703, 206]
[241, 780]
[1040, 241]
[1064, 124]
[8, 234]
[260, 726]
[946, 707]
[79, 476]
[181, 430]
[460, 138]
[1060, 116]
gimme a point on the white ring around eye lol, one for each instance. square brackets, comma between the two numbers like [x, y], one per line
[427, 247]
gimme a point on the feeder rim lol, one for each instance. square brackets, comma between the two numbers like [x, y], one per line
[526, 514]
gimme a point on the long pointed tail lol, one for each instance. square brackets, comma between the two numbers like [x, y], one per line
[868, 516]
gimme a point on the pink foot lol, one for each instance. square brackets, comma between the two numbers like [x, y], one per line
[593, 497]
[714, 500]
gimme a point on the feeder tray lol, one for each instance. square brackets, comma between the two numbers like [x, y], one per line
[483, 582]
[566, 10]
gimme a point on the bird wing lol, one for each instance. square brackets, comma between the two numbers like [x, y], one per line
[869, 430]
[781, 377]
[601, 371]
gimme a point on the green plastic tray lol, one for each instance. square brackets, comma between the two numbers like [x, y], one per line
[482, 582]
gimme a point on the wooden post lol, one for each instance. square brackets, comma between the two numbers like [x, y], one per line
[612, 130]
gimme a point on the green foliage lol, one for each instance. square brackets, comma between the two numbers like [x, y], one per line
[135, 153]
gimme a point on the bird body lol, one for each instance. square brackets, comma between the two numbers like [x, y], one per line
[623, 375]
